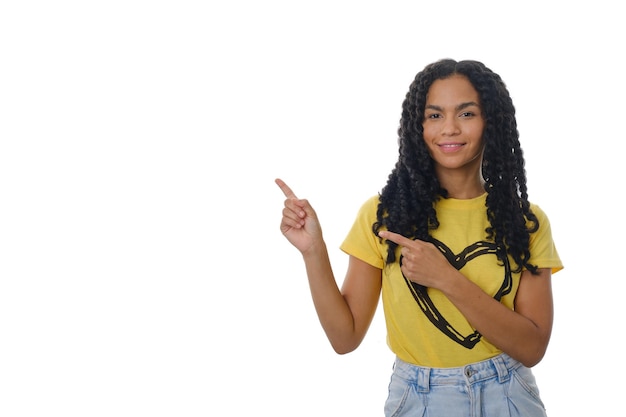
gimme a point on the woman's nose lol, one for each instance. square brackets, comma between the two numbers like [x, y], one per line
[450, 126]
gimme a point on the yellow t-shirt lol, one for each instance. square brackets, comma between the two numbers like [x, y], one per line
[423, 326]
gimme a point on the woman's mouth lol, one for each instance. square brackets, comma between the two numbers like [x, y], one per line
[450, 147]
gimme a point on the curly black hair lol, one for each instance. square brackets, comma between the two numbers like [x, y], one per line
[407, 200]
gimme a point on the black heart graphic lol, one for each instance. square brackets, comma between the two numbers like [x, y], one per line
[459, 261]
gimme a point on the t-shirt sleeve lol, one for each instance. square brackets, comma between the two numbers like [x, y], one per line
[361, 241]
[543, 251]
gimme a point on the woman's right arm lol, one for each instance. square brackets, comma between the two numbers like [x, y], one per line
[346, 314]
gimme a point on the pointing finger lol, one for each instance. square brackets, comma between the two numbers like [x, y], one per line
[285, 188]
[396, 238]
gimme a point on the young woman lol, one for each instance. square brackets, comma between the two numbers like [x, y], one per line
[462, 259]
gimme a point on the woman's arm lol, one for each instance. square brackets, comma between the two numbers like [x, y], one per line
[523, 333]
[345, 315]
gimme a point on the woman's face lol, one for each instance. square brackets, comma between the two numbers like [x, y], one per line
[453, 126]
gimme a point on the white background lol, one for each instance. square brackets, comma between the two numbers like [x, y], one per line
[142, 272]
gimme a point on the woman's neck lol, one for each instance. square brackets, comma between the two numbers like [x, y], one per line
[462, 187]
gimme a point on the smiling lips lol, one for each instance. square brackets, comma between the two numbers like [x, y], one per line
[450, 147]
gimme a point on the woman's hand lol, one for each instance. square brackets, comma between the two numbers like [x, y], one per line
[299, 223]
[422, 262]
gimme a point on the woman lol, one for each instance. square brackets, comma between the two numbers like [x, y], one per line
[462, 258]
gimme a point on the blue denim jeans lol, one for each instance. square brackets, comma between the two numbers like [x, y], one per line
[498, 387]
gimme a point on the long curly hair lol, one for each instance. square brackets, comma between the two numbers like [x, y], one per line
[407, 200]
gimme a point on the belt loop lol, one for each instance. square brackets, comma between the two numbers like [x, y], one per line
[423, 379]
[500, 365]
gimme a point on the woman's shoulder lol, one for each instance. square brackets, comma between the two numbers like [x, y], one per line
[539, 212]
[545, 228]
[368, 208]
[370, 204]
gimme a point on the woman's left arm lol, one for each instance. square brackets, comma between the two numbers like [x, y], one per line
[522, 333]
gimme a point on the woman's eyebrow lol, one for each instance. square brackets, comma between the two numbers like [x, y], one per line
[457, 108]
[466, 105]
[433, 107]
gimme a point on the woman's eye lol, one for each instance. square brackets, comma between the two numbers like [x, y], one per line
[467, 114]
[433, 116]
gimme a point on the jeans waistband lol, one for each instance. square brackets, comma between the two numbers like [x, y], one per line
[498, 366]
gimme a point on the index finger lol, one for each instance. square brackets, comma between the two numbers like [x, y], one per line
[394, 237]
[286, 190]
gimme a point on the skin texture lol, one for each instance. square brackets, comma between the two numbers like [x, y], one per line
[453, 127]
